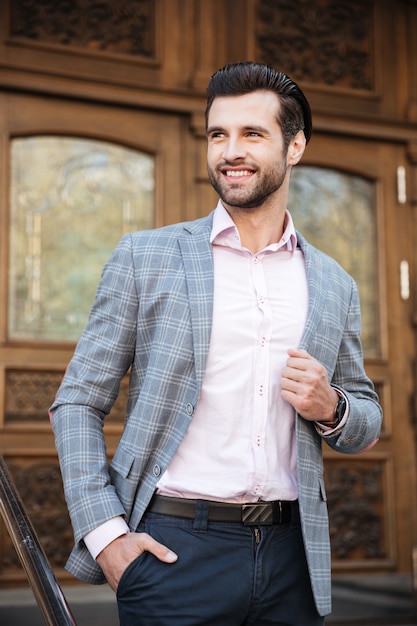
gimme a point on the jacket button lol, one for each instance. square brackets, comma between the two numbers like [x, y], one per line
[157, 470]
[190, 408]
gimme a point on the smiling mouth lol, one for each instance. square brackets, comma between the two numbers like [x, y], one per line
[238, 173]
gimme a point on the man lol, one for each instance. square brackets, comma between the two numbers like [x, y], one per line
[243, 343]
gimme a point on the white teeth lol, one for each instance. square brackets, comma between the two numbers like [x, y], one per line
[238, 173]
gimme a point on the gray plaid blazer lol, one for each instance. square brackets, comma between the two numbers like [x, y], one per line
[153, 314]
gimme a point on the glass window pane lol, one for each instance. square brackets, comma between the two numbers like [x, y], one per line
[71, 200]
[335, 212]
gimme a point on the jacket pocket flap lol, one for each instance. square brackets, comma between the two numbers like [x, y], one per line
[323, 489]
[122, 461]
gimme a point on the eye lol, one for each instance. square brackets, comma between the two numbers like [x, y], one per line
[215, 134]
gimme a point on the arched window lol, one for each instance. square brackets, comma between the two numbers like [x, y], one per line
[71, 201]
[334, 210]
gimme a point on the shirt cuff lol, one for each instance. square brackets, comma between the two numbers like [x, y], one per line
[103, 535]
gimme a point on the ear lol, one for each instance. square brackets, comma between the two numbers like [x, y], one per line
[296, 148]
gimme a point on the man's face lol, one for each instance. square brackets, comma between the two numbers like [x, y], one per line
[246, 156]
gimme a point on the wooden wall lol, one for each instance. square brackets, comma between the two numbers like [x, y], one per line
[356, 61]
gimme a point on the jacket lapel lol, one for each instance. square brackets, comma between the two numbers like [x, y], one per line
[198, 265]
[317, 292]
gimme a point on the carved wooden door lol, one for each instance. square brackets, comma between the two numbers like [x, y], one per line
[79, 176]
[349, 197]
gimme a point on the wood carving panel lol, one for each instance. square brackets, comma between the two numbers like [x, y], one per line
[119, 26]
[355, 492]
[327, 41]
[30, 393]
[39, 485]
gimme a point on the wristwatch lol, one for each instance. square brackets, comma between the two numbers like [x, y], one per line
[339, 413]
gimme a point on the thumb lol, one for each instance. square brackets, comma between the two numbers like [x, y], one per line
[157, 549]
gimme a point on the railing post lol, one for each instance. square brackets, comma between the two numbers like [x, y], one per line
[40, 575]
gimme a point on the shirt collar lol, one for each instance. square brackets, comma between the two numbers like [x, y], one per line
[225, 233]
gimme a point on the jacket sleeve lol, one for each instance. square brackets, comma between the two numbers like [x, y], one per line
[362, 427]
[88, 391]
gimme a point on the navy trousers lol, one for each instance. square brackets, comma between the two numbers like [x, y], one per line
[227, 574]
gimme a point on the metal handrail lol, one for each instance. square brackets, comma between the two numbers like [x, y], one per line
[40, 575]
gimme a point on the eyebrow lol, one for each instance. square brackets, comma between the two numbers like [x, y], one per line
[213, 129]
[251, 127]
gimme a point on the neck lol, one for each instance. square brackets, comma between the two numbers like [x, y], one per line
[258, 227]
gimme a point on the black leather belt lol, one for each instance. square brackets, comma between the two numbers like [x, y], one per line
[251, 514]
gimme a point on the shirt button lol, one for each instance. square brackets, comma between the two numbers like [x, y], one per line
[190, 408]
[156, 470]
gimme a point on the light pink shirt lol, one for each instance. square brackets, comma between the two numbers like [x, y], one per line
[240, 445]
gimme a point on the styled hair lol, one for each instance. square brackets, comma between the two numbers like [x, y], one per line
[237, 79]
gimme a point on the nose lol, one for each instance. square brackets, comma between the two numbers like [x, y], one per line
[233, 149]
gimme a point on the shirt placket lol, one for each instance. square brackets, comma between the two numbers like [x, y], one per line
[261, 374]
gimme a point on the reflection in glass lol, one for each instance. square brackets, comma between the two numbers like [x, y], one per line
[335, 212]
[71, 200]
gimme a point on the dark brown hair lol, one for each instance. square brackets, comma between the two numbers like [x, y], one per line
[242, 78]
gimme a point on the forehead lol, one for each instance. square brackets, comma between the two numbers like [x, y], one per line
[257, 107]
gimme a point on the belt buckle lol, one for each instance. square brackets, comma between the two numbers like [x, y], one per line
[257, 513]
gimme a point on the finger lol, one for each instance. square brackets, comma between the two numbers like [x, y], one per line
[157, 549]
[296, 363]
[299, 353]
[294, 370]
[301, 358]
[288, 382]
